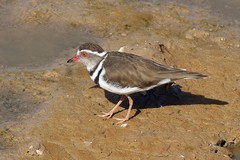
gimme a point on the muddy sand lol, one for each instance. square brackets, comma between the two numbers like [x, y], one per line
[48, 109]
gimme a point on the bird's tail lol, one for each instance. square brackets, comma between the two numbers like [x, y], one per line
[177, 74]
[193, 75]
[183, 74]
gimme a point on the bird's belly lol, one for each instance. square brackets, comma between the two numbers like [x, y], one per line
[118, 89]
[114, 87]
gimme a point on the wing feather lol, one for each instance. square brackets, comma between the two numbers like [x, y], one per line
[135, 71]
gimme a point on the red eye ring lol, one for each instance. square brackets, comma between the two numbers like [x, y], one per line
[84, 54]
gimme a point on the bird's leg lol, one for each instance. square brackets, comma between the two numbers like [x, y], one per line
[121, 120]
[109, 114]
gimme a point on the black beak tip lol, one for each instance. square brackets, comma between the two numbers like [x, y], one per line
[69, 61]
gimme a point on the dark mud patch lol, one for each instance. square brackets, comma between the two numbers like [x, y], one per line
[24, 98]
[234, 148]
[15, 106]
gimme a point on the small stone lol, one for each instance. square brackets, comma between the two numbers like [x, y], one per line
[39, 152]
[121, 49]
[87, 143]
[218, 39]
[215, 150]
[36, 149]
[221, 26]
[182, 156]
[124, 34]
[192, 33]
[221, 142]
[124, 125]
[222, 39]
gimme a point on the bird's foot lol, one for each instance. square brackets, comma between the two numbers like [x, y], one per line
[106, 115]
[121, 120]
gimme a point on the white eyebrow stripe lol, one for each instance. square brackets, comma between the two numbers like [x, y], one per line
[89, 51]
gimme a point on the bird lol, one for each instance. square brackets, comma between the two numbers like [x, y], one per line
[125, 73]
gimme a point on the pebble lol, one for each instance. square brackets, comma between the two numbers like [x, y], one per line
[222, 39]
[218, 39]
[124, 125]
[195, 33]
[121, 49]
[87, 143]
[36, 149]
[124, 34]
[221, 142]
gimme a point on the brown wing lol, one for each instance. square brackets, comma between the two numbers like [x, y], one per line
[132, 70]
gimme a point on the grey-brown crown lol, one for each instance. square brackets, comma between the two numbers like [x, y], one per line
[91, 46]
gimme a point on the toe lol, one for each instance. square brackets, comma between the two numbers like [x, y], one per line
[121, 120]
[105, 115]
[101, 115]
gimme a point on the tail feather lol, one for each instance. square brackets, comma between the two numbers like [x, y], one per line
[194, 75]
[182, 74]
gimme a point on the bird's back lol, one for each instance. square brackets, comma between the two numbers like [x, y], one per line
[132, 70]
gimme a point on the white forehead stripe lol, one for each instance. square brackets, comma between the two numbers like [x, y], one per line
[89, 51]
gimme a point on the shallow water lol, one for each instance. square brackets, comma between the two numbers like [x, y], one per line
[36, 46]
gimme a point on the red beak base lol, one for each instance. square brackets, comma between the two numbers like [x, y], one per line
[73, 59]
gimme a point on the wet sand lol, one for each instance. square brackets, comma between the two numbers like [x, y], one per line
[49, 109]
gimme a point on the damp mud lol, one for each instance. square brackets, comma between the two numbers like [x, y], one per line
[48, 108]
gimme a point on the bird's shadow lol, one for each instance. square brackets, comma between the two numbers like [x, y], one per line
[165, 95]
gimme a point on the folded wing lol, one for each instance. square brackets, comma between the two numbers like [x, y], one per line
[135, 71]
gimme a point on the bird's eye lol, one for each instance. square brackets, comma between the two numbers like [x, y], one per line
[84, 54]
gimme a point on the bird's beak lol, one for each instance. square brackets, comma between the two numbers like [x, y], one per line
[73, 59]
[70, 60]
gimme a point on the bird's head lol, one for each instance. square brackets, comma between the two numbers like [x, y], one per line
[89, 54]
